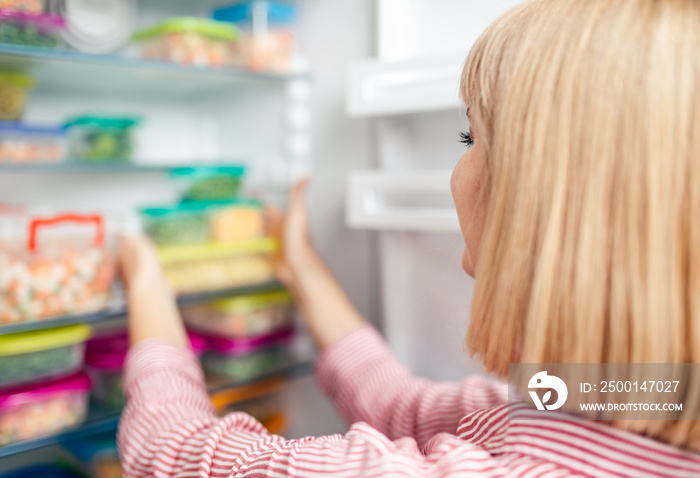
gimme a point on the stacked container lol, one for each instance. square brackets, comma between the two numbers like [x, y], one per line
[202, 222]
[212, 239]
[26, 143]
[30, 357]
[41, 388]
[14, 88]
[218, 266]
[30, 28]
[99, 138]
[249, 358]
[36, 410]
[52, 265]
[267, 41]
[248, 335]
[189, 41]
[243, 316]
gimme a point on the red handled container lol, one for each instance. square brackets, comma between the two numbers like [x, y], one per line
[53, 265]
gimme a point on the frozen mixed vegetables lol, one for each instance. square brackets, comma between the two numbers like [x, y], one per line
[72, 281]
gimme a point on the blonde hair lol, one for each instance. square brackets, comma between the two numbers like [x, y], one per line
[591, 248]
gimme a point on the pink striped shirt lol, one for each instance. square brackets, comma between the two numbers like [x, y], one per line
[403, 426]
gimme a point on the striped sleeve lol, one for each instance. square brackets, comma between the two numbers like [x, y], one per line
[168, 429]
[366, 383]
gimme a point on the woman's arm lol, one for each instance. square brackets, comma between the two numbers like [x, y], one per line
[358, 371]
[153, 312]
[168, 429]
[326, 308]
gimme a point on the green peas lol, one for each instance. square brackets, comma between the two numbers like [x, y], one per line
[24, 368]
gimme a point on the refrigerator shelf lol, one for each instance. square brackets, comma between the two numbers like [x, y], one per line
[71, 167]
[77, 71]
[102, 419]
[411, 200]
[377, 88]
[120, 309]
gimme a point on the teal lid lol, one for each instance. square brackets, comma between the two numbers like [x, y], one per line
[121, 122]
[194, 172]
[203, 26]
[186, 207]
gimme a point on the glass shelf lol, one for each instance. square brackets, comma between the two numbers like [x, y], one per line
[75, 70]
[117, 310]
[71, 167]
[102, 419]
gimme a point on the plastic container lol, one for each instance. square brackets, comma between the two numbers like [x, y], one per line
[52, 265]
[189, 41]
[246, 359]
[31, 143]
[267, 41]
[30, 357]
[105, 370]
[242, 316]
[101, 138]
[104, 362]
[29, 6]
[215, 183]
[212, 267]
[33, 411]
[31, 29]
[204, 221]
[176, 225]
[238, 221]
[14, 88]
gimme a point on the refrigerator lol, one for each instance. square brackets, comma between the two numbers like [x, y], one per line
[409, 91]
[372, 115]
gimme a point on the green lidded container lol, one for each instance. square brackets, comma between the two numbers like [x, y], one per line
[14, 87]
[209, 183]
[192, 221]
[97, 138]
[242, 316]
[189, 41]
[201, 26]
[30, 357]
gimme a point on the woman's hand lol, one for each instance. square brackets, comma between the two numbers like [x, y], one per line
[293, 231]
[153, 313]
[138, 260]
[327, 310]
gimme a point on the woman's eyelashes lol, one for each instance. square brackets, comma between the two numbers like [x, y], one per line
[465, 137]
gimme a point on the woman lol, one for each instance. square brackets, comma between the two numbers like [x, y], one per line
[578, 201]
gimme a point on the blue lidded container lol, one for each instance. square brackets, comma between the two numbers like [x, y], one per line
[267, 41]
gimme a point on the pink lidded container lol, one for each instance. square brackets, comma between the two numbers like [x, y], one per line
[198, 342]
[244, 359]
[31, 29]
[36, 410]
[104, 361]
